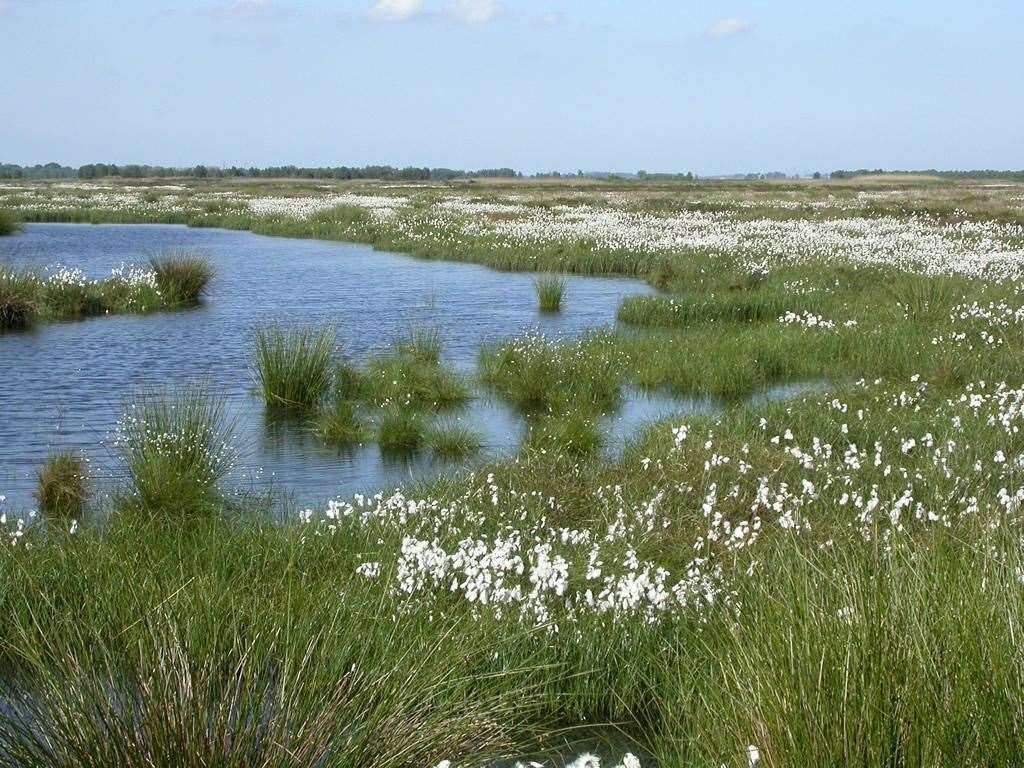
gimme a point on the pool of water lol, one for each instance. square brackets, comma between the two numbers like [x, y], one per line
[64, 385]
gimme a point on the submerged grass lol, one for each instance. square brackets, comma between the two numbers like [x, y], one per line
[293, 365]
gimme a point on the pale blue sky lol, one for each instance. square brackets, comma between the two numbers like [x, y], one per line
[662, 85]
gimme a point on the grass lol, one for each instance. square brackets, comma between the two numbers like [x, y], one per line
[844, 567]
[8, 224]
[415, 383]
[575, 435]
[20, 299]
[63, 485]
[338, 423]
[400, 430]
[421, 344]
[550, 290]
[27, 297]
[182, 277]
[453, 441]
[535, 373]
[293, 365]
[176, 448]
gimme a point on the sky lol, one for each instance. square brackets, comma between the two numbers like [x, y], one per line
[538, 85]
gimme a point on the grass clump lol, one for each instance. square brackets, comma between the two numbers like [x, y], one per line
[422, 344]
[8, 224]
[338, 423]
[176, 448]
[293, 366]
[63, 485]
[453, 441]
[414, 382]
[182, 277]
[400, 430]
[20, 299]
[575, 436]
[549, 289]
[535, 373]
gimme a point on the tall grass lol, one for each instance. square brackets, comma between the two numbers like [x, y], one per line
[176, 448]
[293, 365]
[550, 290]
[451, 440]
[422, 344]
[20, 299]
[8, 224]
[181, 276]
[338, 423]
[400, 430]
[63, 485]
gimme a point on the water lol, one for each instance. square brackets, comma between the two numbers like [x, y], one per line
[64, 385]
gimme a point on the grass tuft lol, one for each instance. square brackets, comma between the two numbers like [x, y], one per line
[422, 344]
[339, 424]
[20, 299]
[8, 224]
[550, 289]
[293, 366]
[177, 448]
[400, 430]
[182, 276]
[63, 487]
[453, 441]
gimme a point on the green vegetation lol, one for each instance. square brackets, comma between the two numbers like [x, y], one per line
[834, 579]
[293, 366]
[182, 277]
[67, 294]
[20, 299]
[451, 440]
[549, 289]
[421, 344]
[63, 485]
[337, 423]
[8, 224]
[400, 430]
[176, 448]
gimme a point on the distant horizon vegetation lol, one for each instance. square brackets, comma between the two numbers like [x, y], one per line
[56, 171]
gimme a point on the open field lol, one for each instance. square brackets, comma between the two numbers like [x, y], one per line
[834, 579]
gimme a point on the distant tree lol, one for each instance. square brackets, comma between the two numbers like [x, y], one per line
[817, 174]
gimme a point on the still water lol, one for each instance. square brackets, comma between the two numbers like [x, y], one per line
[64, 385]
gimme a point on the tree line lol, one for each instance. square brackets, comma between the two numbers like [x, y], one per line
[134, 171]
[975, 174]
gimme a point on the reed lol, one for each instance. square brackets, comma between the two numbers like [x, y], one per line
[293, 365]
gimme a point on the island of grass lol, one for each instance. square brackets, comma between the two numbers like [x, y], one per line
[169, 281]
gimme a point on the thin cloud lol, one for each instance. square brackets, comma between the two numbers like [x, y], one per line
[727, 28]
[474, 11]
[247, 9]
[395, 10]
